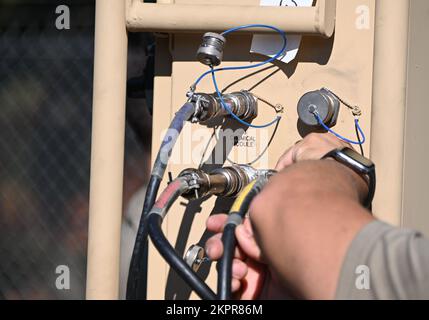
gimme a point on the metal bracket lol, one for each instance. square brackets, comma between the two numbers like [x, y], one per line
[193, 18]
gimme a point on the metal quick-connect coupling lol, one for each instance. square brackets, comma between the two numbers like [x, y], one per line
[209, 106]
[223, 182]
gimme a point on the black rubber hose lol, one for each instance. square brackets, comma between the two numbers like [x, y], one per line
[225, 265]
[229, 243]
[175, 261]
[137, 275]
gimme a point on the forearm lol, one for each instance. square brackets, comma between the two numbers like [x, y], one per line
[305, 220]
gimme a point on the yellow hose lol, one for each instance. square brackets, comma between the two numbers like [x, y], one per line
[239, 201]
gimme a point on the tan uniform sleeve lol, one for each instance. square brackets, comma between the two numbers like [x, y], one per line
[385, 263]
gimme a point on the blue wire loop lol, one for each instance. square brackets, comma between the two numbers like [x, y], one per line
[227, 108]
[214, 71]
[277, 56]
[316, 114]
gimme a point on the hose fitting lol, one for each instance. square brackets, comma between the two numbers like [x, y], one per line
[208, 106]
[224, 182]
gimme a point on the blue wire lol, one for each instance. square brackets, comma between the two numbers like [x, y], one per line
[278, 55]
[339, 136]
[227, 108]
[213, 72]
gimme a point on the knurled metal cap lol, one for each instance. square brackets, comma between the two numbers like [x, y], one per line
[321, 101]
[210, 51]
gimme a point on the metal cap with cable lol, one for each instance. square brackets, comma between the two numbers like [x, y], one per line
[321, 108]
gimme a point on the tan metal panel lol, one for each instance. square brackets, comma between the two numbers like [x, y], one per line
[343, 64]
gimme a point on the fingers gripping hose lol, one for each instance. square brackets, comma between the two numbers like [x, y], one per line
[237, 213]
[137, 276]
[154, 221]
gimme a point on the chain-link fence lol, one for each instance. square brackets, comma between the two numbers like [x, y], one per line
[45, 131]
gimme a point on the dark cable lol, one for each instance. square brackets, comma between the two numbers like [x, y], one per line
[360, 140]
[229, 242]
[225, 264]
[175, 261]
[153, 222]
[137, 275]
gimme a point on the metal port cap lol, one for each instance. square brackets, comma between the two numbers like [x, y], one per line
[318, 101]
[211, 50]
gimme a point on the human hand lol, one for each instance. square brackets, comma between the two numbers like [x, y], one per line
[248, 270]
[312, 147]
[304, 221]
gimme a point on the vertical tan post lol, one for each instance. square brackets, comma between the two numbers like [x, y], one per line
[107, 158]
[389, 105]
